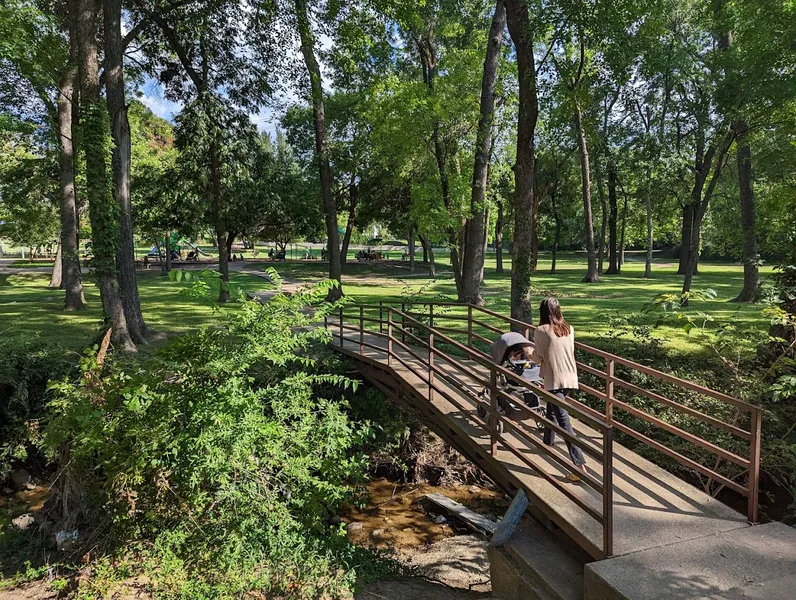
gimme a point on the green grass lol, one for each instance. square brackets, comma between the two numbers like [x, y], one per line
[588, 307]
[29, 308]
[25, 264]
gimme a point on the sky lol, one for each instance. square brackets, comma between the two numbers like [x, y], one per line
[152, 95]
[267, 119]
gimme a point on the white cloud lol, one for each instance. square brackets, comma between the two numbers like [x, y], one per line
[152, 97]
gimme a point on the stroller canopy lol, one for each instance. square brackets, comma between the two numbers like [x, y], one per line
[508, 341]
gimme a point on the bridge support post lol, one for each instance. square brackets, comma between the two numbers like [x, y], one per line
[608, 491]
[493, 418]
[609, 390]
[389, 336]
[470, 326]
[754, 465]
[381, 317]
[431, 367]
[341, 326]
[361, 330]
[403, 322]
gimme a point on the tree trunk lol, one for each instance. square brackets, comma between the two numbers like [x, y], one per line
[120, 132]
[685, 237]
[485, 246]
[603, 219]
[613, 265]
[751, 275]
[428, 254]
[220, 223]
[411, 248]
[557, 218]
[456, 263]
[56, 278]
[167, 248]
[353, 194]
[164, 267]
[650, 240]
[693, 253]
[102, 211]
[591, 274]
[519, 23]
[321, 147]
[701, 207]
[473, 267]
[622, 235]
[70, 251]
[499, 238]
[230, 240]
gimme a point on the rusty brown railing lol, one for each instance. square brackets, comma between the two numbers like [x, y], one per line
[483, 325]
[414, 344]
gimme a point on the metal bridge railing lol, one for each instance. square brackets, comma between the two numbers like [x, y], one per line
[415, 344]
[479, 326]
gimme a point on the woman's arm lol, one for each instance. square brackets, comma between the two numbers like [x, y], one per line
[539, 347]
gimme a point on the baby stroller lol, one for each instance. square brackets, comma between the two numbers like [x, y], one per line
[524, 403]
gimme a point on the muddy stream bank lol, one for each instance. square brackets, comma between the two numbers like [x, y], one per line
[437, 549]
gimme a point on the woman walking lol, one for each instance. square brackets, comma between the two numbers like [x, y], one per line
[554, 351]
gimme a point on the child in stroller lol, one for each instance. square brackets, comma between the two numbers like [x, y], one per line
[512, 351]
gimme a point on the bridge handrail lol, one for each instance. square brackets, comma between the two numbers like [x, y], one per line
[594, 418]
[750, 464]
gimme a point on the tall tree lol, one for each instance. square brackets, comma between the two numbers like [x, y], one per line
[521, 32]
[473, 262]
[321, 144]
[39, 79]
[102, 209]
[121, 157]
[67, 102]
[212, 75]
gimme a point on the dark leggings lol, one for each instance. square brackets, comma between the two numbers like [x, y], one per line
[561, 417]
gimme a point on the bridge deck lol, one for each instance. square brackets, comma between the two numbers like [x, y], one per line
[652, 507]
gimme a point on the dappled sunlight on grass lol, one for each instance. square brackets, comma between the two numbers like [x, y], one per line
[589, 307]
[28, 308]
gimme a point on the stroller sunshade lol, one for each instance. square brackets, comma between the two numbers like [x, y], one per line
[506, 343]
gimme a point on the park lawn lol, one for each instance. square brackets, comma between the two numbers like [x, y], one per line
[29, 309]
[589, 307]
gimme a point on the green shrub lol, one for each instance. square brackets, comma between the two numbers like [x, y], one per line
[25, 368]
[221, 453]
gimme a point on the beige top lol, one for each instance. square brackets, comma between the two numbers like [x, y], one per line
[556, 356]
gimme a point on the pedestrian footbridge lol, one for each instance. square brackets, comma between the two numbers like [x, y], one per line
[434, 358]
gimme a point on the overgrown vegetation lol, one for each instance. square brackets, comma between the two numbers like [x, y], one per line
[219, 461]
[26, 366]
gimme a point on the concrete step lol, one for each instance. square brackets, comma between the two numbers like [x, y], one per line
[753, 562]
[536, 564]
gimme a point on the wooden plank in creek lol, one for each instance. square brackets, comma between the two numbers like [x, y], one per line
[471, 518]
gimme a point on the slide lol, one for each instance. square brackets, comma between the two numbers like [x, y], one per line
[195, 247]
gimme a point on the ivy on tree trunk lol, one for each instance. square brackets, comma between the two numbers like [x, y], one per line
[103, 211]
